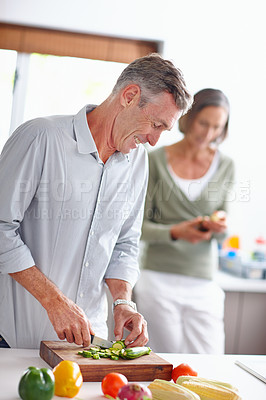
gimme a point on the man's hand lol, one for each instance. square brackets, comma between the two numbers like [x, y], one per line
[68, 320]
[126, 317]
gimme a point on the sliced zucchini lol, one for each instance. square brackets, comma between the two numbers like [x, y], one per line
[114, 358]
[119, 344]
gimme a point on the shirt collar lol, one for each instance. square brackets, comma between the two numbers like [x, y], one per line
[85, 142]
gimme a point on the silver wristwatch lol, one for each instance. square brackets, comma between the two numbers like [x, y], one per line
[123, 301]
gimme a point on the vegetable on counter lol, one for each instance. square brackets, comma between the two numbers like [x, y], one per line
[192, 388]
[68, 379]
[209, 389]
[164, 390]
[36, 383]
[134, 391]
[182, 369]
[112, 383]
[115, 352]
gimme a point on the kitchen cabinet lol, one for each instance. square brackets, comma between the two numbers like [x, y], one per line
[245, 323]
[245, 314]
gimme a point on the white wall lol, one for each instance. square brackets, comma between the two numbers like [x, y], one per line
[218, 44]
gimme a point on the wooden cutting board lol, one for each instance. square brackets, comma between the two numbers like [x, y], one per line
[145, 368]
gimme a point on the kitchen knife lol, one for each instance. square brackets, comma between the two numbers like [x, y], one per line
[97, 341]
[258, 374]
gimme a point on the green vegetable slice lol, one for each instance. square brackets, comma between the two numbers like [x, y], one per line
[119, 344]
[115, 352]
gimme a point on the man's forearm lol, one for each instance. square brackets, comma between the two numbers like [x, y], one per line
[119, 289]
[35, 282]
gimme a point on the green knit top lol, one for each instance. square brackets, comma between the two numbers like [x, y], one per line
[167, 205]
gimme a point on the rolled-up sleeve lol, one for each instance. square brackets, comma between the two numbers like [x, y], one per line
[20, 170]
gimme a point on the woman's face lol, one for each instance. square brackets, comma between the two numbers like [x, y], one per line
[207, 126]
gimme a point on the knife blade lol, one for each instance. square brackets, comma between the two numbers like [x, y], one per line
[97, 341]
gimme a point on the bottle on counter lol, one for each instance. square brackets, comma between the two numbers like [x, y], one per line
[259, 252]
[230, 256]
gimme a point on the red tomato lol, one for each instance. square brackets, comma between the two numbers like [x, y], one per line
[182, 369]
[112, 382]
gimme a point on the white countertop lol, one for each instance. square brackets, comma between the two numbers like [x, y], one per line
[222, 367]
[232, 283]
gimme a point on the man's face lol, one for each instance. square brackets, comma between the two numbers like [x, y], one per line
[134, 125]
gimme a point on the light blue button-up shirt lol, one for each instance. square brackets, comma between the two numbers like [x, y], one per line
[78, 220]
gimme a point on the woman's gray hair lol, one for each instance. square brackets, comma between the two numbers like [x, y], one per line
[154, 75]
[205, 98]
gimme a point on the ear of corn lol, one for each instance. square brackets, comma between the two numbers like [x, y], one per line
[183, 378]
[209, 389]
[164, 390]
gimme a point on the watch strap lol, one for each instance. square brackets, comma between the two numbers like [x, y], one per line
[123, 301]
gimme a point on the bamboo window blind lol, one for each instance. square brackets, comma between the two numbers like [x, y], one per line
[27, 39]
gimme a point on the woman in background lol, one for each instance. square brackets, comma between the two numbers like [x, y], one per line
[188, 182]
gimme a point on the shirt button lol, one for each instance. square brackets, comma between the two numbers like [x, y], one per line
[91, 233]
[81, 295]
[87, 264]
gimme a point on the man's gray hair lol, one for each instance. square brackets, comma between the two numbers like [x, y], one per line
[155, 75]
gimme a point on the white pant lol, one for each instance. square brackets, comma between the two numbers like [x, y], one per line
[184, 314]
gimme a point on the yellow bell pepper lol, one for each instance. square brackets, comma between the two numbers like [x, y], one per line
[68, 379]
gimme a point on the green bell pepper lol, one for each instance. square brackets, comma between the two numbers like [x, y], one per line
[36, 384]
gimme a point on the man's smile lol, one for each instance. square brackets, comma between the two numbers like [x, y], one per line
[137, 141]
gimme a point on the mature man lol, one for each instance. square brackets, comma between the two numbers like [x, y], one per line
[71, 207]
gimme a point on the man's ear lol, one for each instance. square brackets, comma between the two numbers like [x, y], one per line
[129, 95]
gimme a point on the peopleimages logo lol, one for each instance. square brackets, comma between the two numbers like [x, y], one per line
[57, 190]
[124, 192]
[78, 191]
[229, 191]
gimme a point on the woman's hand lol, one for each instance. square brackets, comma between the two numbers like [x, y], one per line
[216, 223]
[189, 231]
